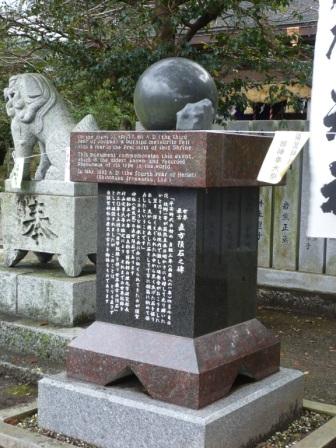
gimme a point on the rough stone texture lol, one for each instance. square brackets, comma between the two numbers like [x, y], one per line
[8, 288]
[122, 416]
[53, 187]
[297, 301]
[56, 298]
[48, 294]
[196, 116]
[25, 336]
[39, 115]
[49, 224]
[24, 374]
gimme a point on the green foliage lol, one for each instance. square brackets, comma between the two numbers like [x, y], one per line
[5, 138]
[95, 51]
[110, 111]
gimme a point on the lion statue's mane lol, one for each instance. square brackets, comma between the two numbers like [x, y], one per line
[39, 115]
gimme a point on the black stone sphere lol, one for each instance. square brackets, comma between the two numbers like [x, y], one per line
[166, 87]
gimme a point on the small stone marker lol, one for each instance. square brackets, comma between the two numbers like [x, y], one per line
[177, 263]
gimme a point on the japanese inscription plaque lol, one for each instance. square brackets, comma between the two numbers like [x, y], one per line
[177, 263]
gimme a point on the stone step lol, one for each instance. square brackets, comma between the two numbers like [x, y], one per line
[44, 292]
[44, 341]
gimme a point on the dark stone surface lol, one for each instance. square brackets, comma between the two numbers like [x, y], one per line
[166, 87]
[217, 287]
[226, 262]
[202, 159]
[164, 297]
[184, 371]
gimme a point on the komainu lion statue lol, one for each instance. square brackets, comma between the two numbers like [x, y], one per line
[39, 115]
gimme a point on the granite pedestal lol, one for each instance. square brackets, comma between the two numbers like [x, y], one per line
[40, 221]
[50, 218]
[123, 416]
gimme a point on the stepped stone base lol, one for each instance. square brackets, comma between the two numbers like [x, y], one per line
[196, 371]
[26, 337]
[123, 416]
[48, 294]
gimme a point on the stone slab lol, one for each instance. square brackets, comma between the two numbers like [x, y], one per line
[168, 158]
[24, 336]
[19, 411]
[60, 215]
[23, 374]
[323, 408]
[324, 284]
[14, 437]
[297, 301]
[48, 294]
[53, 187]
[8, 287]
[62, 301]
[122, 416]
[311, 250]
[189, 259]
[286, 202]
[50, 224]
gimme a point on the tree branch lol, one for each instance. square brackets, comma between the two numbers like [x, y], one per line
[201, 22]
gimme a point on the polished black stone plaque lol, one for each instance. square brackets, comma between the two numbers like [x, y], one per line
[188, 268]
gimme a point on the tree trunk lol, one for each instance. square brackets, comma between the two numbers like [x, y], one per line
[164, 26]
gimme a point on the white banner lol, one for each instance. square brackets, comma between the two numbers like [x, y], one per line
[322, 213]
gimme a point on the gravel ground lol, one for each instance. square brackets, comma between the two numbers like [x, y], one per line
[299, 429]
[308, 343]
[31, 424]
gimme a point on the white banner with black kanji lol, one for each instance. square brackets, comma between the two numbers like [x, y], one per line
[322, 213]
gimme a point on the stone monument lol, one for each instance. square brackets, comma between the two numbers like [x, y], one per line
[48, 215]
[176, 283]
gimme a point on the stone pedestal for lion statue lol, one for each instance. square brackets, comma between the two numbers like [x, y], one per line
[48, 216]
